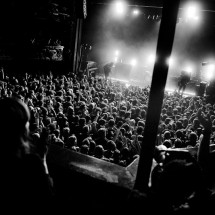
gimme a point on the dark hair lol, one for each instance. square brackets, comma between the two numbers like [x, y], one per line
[14, 115]
[84, 149]
[177, 179]
[99, 151]
[111, 122]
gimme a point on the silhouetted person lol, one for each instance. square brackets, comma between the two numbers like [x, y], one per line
[25, 182]
[108, 69]
[183, 81]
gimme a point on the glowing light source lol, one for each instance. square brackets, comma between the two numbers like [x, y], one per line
[136, 12]
[209, 73]
[208, 76]
[189, 69]
[117, 52]
[120, 8]
[170, 61]
[133, 62]
[151, 58]
[192, 12]
[211, 67]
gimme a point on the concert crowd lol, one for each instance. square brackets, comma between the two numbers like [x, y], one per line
[105, 119]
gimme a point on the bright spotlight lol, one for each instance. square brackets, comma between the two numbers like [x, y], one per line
[210, 72]
[117, 52]
[151, 58]
[115, 59]
[209, 76]
[211, 67]
[192, 12]
[133, 62]
[136, 12]
[189, 69]
[120, 8]
[170, 61]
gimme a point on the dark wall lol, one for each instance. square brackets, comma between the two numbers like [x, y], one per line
[29, 26]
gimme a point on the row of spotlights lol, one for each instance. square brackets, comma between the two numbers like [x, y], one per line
[209, 71]
[190, 13]
[152, 58]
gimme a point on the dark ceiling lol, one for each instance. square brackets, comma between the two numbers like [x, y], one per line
[55, 16]
[207, 6]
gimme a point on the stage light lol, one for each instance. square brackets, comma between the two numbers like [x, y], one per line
[136, 12]
[170, 61]
[133, 62]
[189, 69]
[211, 68]
[120, 8]
[151, 58]
[115, 59]
[117, 52]
[191, 12]
[208, 76]
[209, 73]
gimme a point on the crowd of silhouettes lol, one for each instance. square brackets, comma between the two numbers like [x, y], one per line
[105, 119]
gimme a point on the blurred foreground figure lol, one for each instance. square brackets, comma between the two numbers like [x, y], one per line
[25, 182]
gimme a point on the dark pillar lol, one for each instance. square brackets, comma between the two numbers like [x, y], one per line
[80, 13]
[77, 45]
[164, 49]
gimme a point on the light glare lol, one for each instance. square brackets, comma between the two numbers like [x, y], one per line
[189, 69]
[170, 61]
[191, 11]
[133, 62]
[117, 52]
[151, 58]
[120, 8]
[135, 12]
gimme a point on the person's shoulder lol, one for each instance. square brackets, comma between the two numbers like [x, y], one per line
[33, 160]
[32, 157]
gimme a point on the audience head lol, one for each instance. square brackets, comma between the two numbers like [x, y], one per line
[14, 124]
[99, 151]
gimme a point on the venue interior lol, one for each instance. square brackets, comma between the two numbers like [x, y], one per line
[58, 52]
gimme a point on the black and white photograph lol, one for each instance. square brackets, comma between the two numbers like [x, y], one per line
[107, 107]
